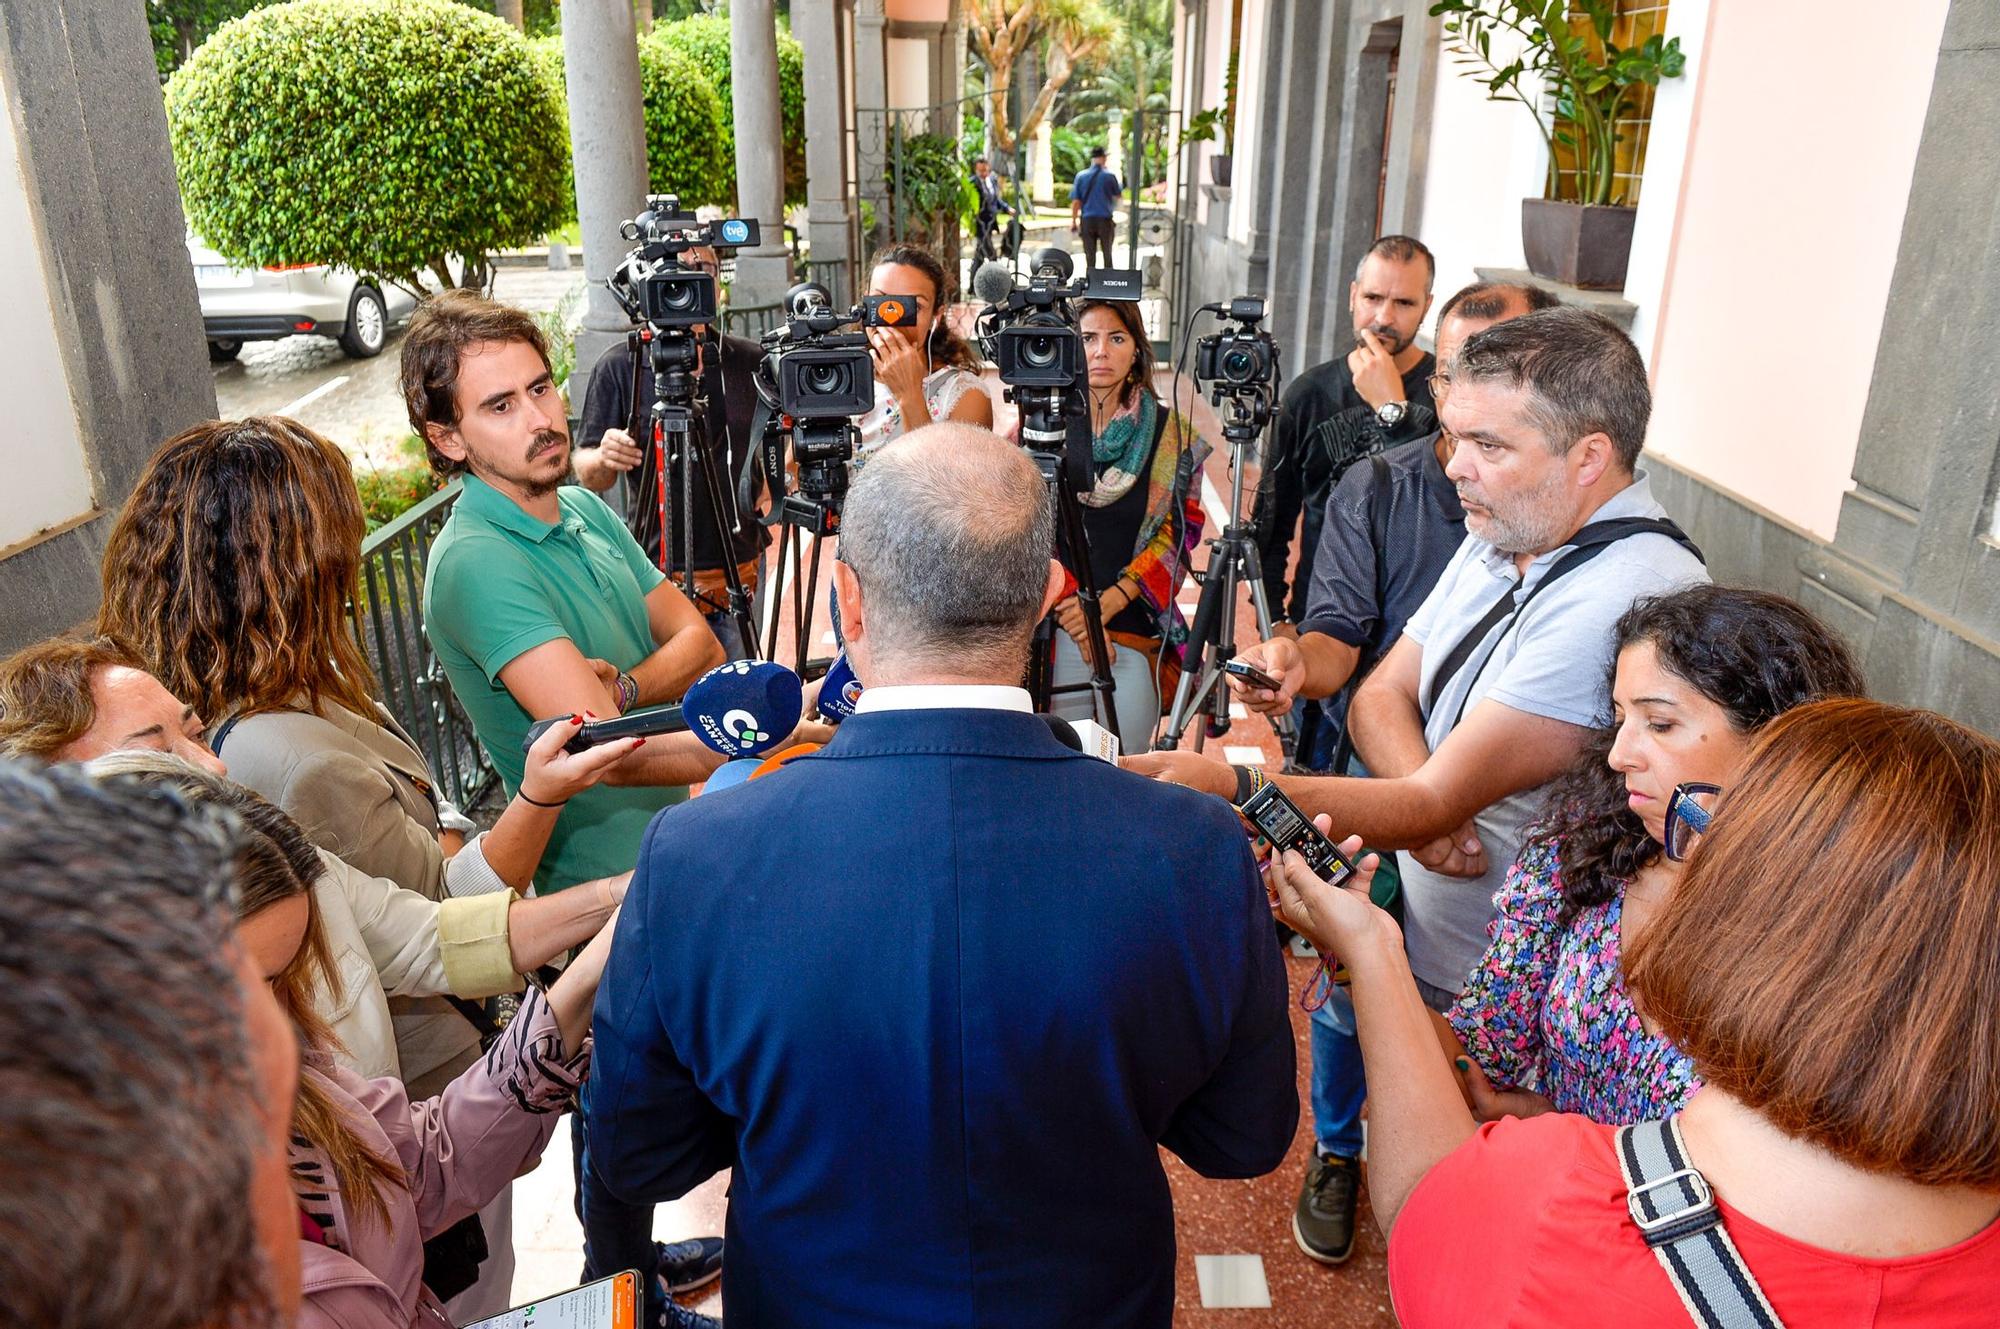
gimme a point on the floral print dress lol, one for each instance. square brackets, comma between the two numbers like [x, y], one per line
[1547, 1009]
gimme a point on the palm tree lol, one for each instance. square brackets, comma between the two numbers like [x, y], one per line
[1072, 31]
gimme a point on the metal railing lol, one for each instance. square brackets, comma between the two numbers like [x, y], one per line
[387, 617]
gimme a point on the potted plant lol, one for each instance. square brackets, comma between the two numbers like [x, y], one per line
[1213, 123]
[1581, 231]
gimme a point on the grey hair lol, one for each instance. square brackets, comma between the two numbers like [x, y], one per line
[1583, 376]
[1400, 249]
[129, 1120]
[949, 531]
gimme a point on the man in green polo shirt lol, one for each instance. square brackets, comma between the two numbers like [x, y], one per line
[537, 600]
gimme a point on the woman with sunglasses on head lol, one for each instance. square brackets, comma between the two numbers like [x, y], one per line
[1697, 674]
[924, 372]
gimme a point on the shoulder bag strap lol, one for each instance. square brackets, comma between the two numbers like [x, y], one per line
[1591, 541]
[1676, 1214]
[217, 735]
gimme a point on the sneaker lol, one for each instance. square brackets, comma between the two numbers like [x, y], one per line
[1323, 1222]
[687, 1265]
[677, 1316]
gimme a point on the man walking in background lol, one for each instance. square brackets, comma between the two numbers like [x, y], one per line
[991, 205]
[1093, 203]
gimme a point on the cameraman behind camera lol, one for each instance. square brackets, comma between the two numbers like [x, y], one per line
[609, 446]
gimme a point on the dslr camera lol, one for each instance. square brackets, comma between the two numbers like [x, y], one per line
[1239, 356]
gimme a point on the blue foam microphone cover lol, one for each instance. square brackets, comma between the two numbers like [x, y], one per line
[730, 774]
[839, 692]
[744, 707]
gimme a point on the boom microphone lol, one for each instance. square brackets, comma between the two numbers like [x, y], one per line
[738, 709]
[993, 282]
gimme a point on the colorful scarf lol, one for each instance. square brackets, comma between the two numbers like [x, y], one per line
[1121, 450]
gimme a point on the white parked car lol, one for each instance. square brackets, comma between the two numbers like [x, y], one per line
[261, 304]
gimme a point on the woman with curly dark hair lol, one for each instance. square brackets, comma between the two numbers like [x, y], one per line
[1545, 1020]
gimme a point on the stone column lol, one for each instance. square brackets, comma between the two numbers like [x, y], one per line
[829, 195]
[607, 135]
[1114, 142]
[763, 273]
[1042, 163]
[871, 100]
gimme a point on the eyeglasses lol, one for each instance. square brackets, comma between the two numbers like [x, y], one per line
[1689, 812]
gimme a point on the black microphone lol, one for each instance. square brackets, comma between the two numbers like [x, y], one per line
[1064, 731]
[738, 709]
[993, 282]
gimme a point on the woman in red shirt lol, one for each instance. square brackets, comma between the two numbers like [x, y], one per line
[1828, 963]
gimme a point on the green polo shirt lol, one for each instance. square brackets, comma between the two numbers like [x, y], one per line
[501, 583]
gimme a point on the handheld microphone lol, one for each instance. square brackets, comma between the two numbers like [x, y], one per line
[839, 692]
[1085, 736]
[737, 709]
[1064, 731]
[993, 282]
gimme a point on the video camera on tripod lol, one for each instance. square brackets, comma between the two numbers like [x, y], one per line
[1030, 331]
[668, 299]
[1239, 363]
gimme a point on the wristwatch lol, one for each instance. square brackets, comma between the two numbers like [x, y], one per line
[1390, 413]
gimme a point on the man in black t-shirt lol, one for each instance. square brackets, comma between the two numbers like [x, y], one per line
[608, 447]
[1375, 396]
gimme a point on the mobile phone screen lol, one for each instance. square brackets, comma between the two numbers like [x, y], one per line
[609, 1303]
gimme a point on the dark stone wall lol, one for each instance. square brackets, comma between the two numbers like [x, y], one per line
[80, 78]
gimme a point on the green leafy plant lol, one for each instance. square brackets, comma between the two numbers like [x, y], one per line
[1589, 80]
[387, 492]
[558, 327]
[930, 182]
[1069, 155]
[384, 136]
[706, 39]
[687, 151]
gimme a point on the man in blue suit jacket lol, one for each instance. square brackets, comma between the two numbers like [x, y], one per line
[939, 992]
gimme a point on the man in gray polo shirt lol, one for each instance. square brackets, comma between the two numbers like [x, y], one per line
[1475, 709]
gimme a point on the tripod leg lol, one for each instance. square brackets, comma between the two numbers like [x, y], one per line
[1288, 736]
[722, 511]
[1198, 663]
[1069, 513]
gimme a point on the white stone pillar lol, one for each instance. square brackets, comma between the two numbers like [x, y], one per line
[763, 273]
[871, 100]
[1114, 142]
[820, 26]
[1042, 163]
[607, 135]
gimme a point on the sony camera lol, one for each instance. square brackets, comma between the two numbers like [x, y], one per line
[653, 284]
[1029, 329]
[1239, 356]
[821, 371]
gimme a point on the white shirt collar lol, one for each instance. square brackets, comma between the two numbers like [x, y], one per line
[943, 696]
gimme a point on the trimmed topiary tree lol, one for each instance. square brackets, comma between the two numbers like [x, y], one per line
[687, 142]
[385, 136]
[706, 39]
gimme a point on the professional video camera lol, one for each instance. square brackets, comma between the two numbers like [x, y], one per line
[814, 379]
[818, 377]
[1030, 331]
[668, 299]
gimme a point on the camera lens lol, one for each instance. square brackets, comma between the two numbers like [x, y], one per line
[680, 296]
[1040, 352]
[827, 380]
[1237, 365]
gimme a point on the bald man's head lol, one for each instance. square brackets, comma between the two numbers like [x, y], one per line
[949, 530]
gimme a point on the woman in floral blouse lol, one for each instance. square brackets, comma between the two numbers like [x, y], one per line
[1545, 1021]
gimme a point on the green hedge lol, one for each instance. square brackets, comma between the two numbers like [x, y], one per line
[706, 40]
[384, 136]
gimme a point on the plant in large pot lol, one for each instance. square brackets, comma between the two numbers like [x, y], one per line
[1581, 84]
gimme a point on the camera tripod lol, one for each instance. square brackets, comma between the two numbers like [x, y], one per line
[1232, 561]
[1045, 416]
[678, 437]
[811, 513]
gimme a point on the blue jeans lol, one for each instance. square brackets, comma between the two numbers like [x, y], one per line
[616, 1236]
[1338, 1085]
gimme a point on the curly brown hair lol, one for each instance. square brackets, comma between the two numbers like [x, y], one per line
[946, 347]
[229, 570]
[1754, 654]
